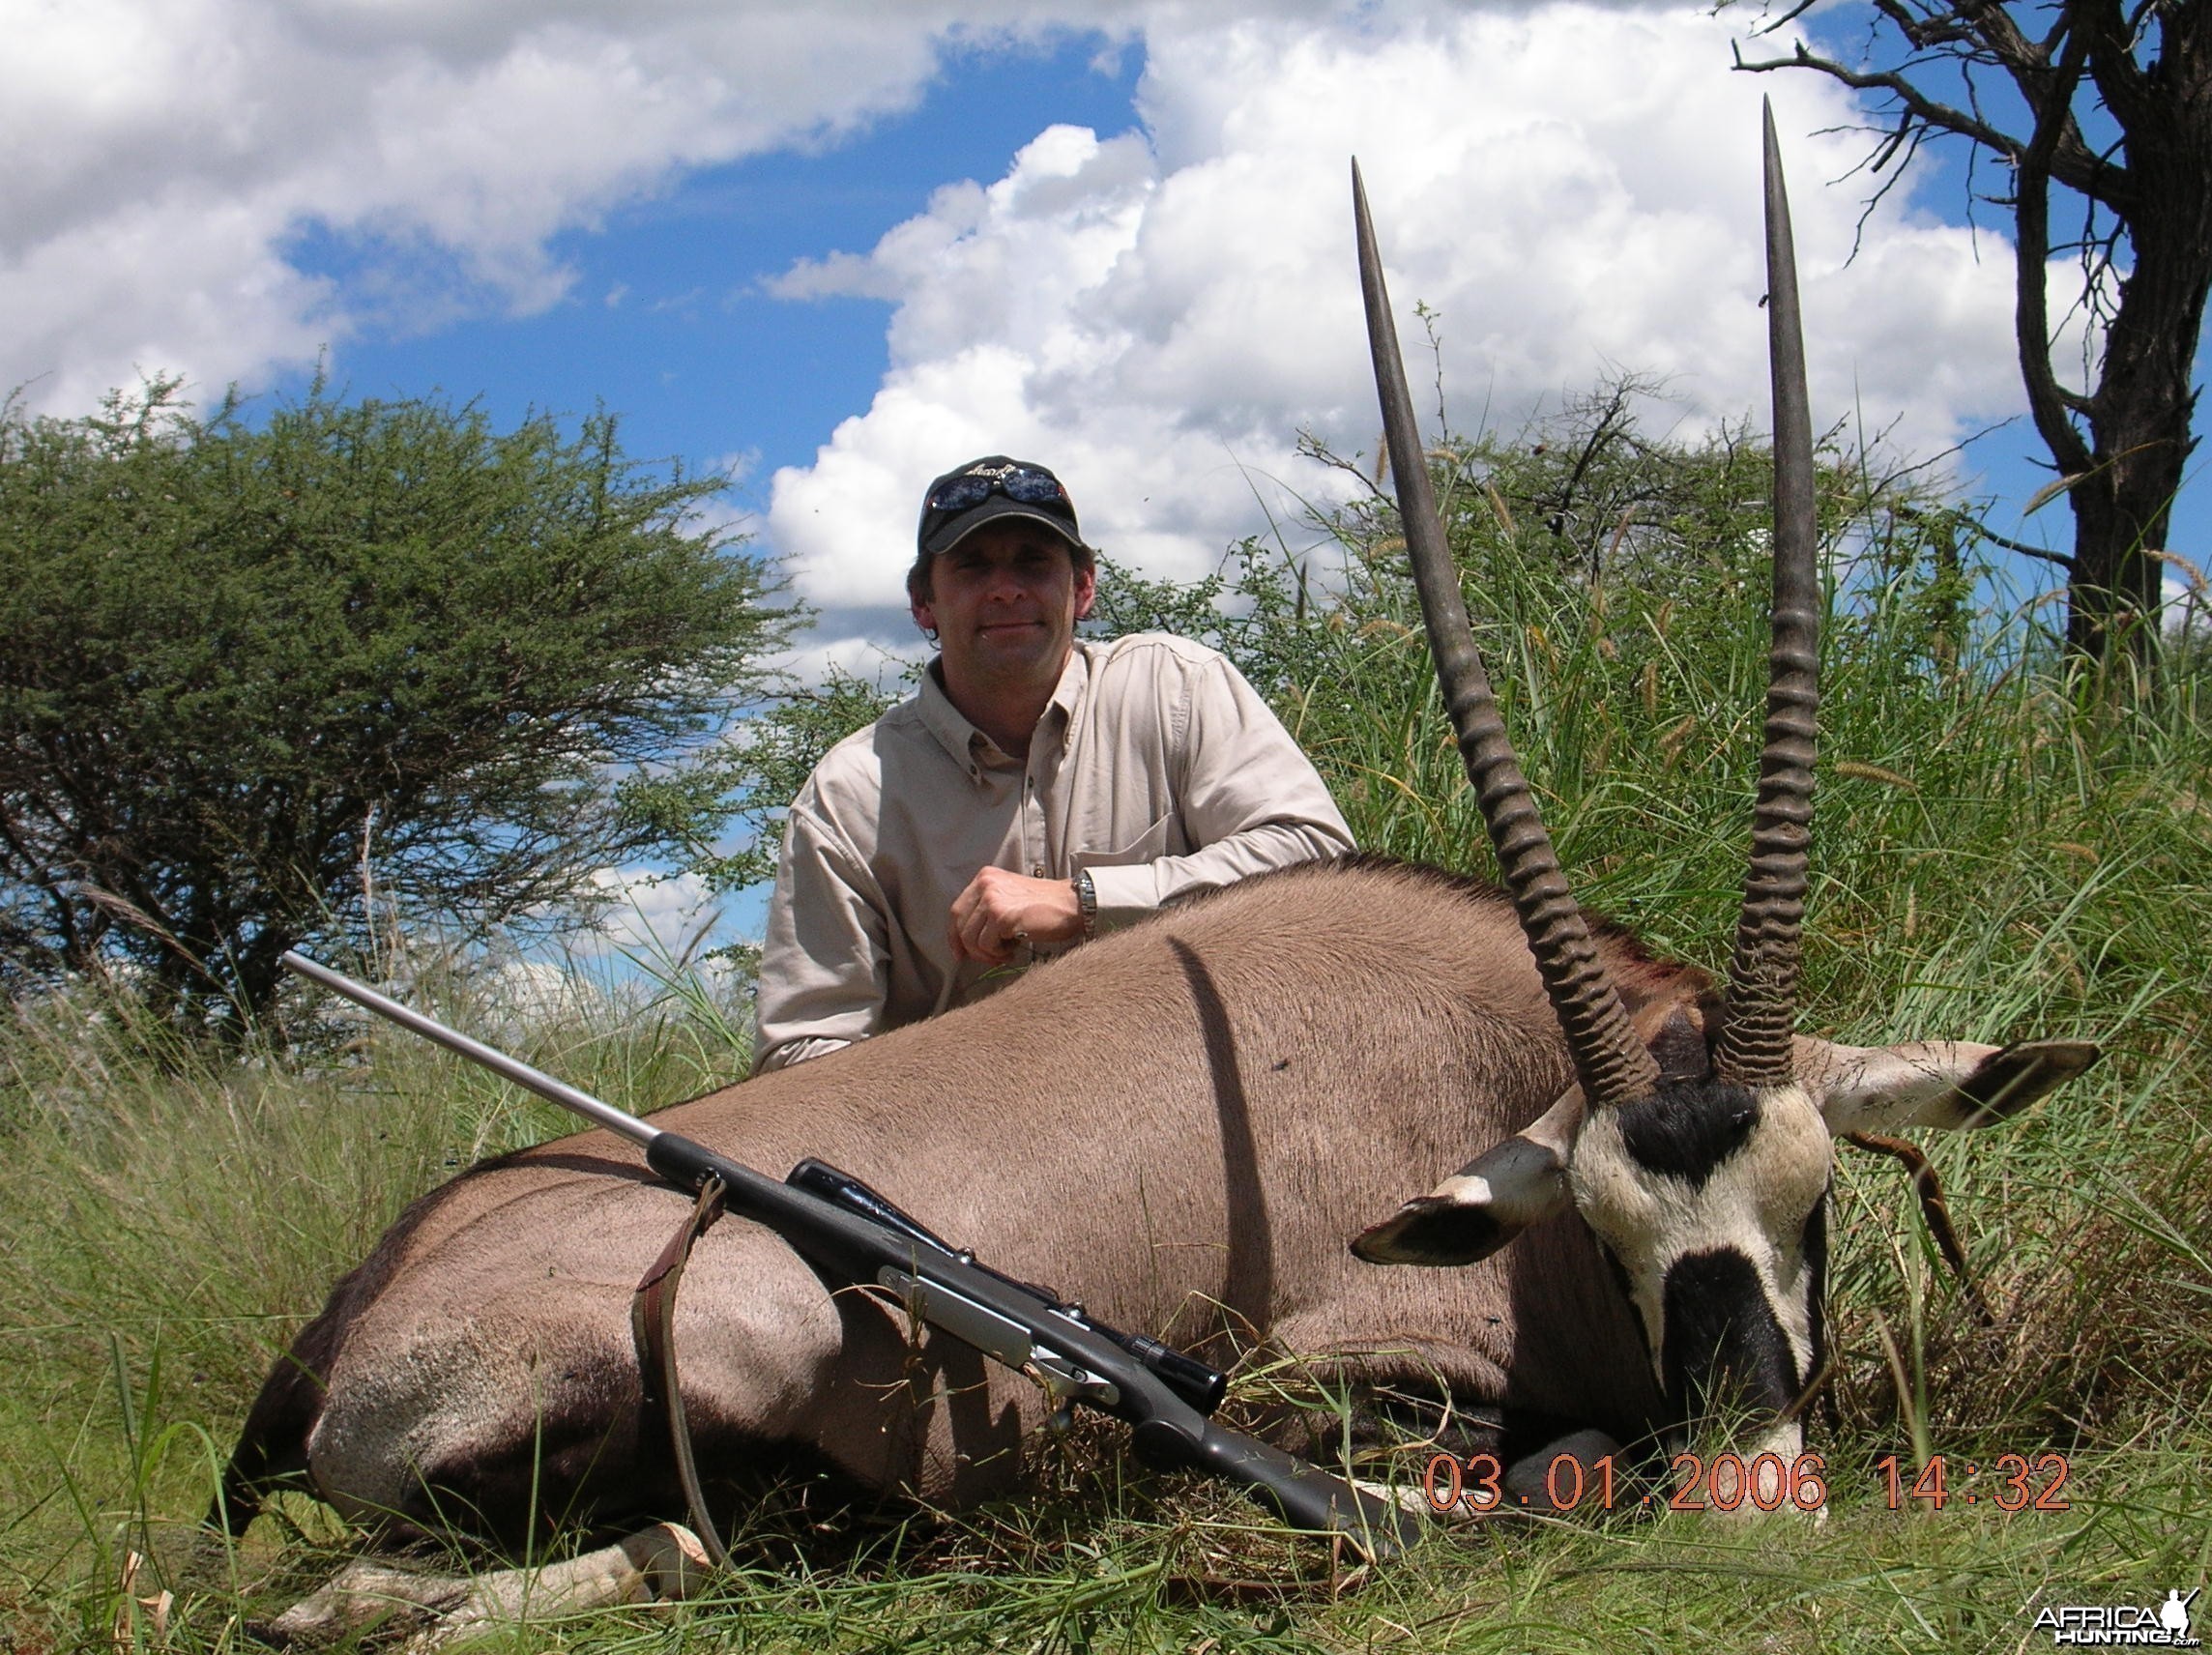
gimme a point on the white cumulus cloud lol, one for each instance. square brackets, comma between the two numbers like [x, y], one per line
[164, 155]
[1571, 185]
[1572, 188]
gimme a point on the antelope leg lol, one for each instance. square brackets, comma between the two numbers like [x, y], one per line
[657, 1564]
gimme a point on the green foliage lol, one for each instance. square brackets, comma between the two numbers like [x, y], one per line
[1996, 855]
[258, 678]
[753, 779]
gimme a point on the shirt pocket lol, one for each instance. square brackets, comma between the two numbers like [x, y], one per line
[1158, 840]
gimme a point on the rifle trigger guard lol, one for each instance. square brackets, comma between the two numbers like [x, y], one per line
[1006, 1342]
[1068, 1384]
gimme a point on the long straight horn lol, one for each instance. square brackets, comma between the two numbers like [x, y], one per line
[1754, 1047]
[1614, 1066]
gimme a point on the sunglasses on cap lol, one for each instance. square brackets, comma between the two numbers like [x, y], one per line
[1025, 483]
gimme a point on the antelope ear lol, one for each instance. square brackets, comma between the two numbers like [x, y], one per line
[1486, 1202]
[1951, 1084]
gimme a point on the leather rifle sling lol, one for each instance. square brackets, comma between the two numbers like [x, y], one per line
[653, 1328]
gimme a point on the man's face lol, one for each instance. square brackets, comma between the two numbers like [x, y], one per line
[1003, 603]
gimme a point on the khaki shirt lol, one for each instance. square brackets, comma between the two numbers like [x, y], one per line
[1156, 765]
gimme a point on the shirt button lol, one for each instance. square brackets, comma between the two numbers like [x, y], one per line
[1036, 873]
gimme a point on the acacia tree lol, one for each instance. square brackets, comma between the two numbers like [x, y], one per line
[250, 672]
[2109, 107]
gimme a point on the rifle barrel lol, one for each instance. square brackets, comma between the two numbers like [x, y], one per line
[595, 1110]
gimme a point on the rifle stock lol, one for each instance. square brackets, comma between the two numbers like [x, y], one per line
[1135, 1380]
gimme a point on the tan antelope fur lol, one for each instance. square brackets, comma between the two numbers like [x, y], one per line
[1171, 1125]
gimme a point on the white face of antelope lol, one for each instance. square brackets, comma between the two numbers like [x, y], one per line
[1710, 1199]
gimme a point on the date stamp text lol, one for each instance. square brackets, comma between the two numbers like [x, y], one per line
[1766, 1482]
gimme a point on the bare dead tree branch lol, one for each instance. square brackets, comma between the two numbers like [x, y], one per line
[2104, 105]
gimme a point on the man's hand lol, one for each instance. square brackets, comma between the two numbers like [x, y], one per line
[1000, 910]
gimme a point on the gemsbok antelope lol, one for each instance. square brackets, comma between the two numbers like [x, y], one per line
[1180, 1124]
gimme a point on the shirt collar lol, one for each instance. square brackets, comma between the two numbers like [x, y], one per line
[1067, 695]
[961, 739]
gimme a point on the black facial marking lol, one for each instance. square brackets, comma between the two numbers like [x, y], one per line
[1815, 1249]
[1723, 1342]
[1432, 1231]
[1687, 1130]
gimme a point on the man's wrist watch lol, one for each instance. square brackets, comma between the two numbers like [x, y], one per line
[1087, 903]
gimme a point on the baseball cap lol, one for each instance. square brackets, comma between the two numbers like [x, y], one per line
[992, 490]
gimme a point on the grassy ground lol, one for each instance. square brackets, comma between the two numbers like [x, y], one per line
[1997, 854]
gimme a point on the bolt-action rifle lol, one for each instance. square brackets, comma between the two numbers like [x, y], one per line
[852, 1233]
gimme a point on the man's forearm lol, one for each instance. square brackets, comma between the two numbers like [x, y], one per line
[1126, 894]
[821, 977]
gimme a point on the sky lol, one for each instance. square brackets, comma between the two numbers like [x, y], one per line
[836, 246]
